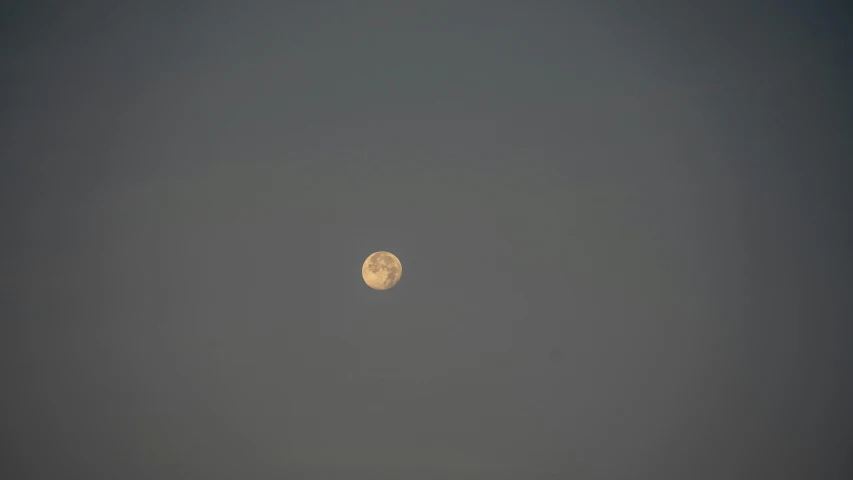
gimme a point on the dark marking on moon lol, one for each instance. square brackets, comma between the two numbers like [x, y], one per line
[382, 262]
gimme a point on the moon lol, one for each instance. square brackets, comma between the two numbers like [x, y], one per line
[381, 270]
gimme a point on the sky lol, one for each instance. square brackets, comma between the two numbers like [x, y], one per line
[624, 229]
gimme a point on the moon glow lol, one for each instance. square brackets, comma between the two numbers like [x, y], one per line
[381, 270]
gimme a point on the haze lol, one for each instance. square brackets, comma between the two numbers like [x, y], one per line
[625, 228]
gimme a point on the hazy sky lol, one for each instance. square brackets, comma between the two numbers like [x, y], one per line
[624, 227]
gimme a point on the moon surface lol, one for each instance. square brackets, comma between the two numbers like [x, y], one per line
[381, 270]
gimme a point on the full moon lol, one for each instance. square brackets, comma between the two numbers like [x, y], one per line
[381, 270]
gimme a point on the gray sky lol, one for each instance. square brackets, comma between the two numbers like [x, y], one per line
[624, 227]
